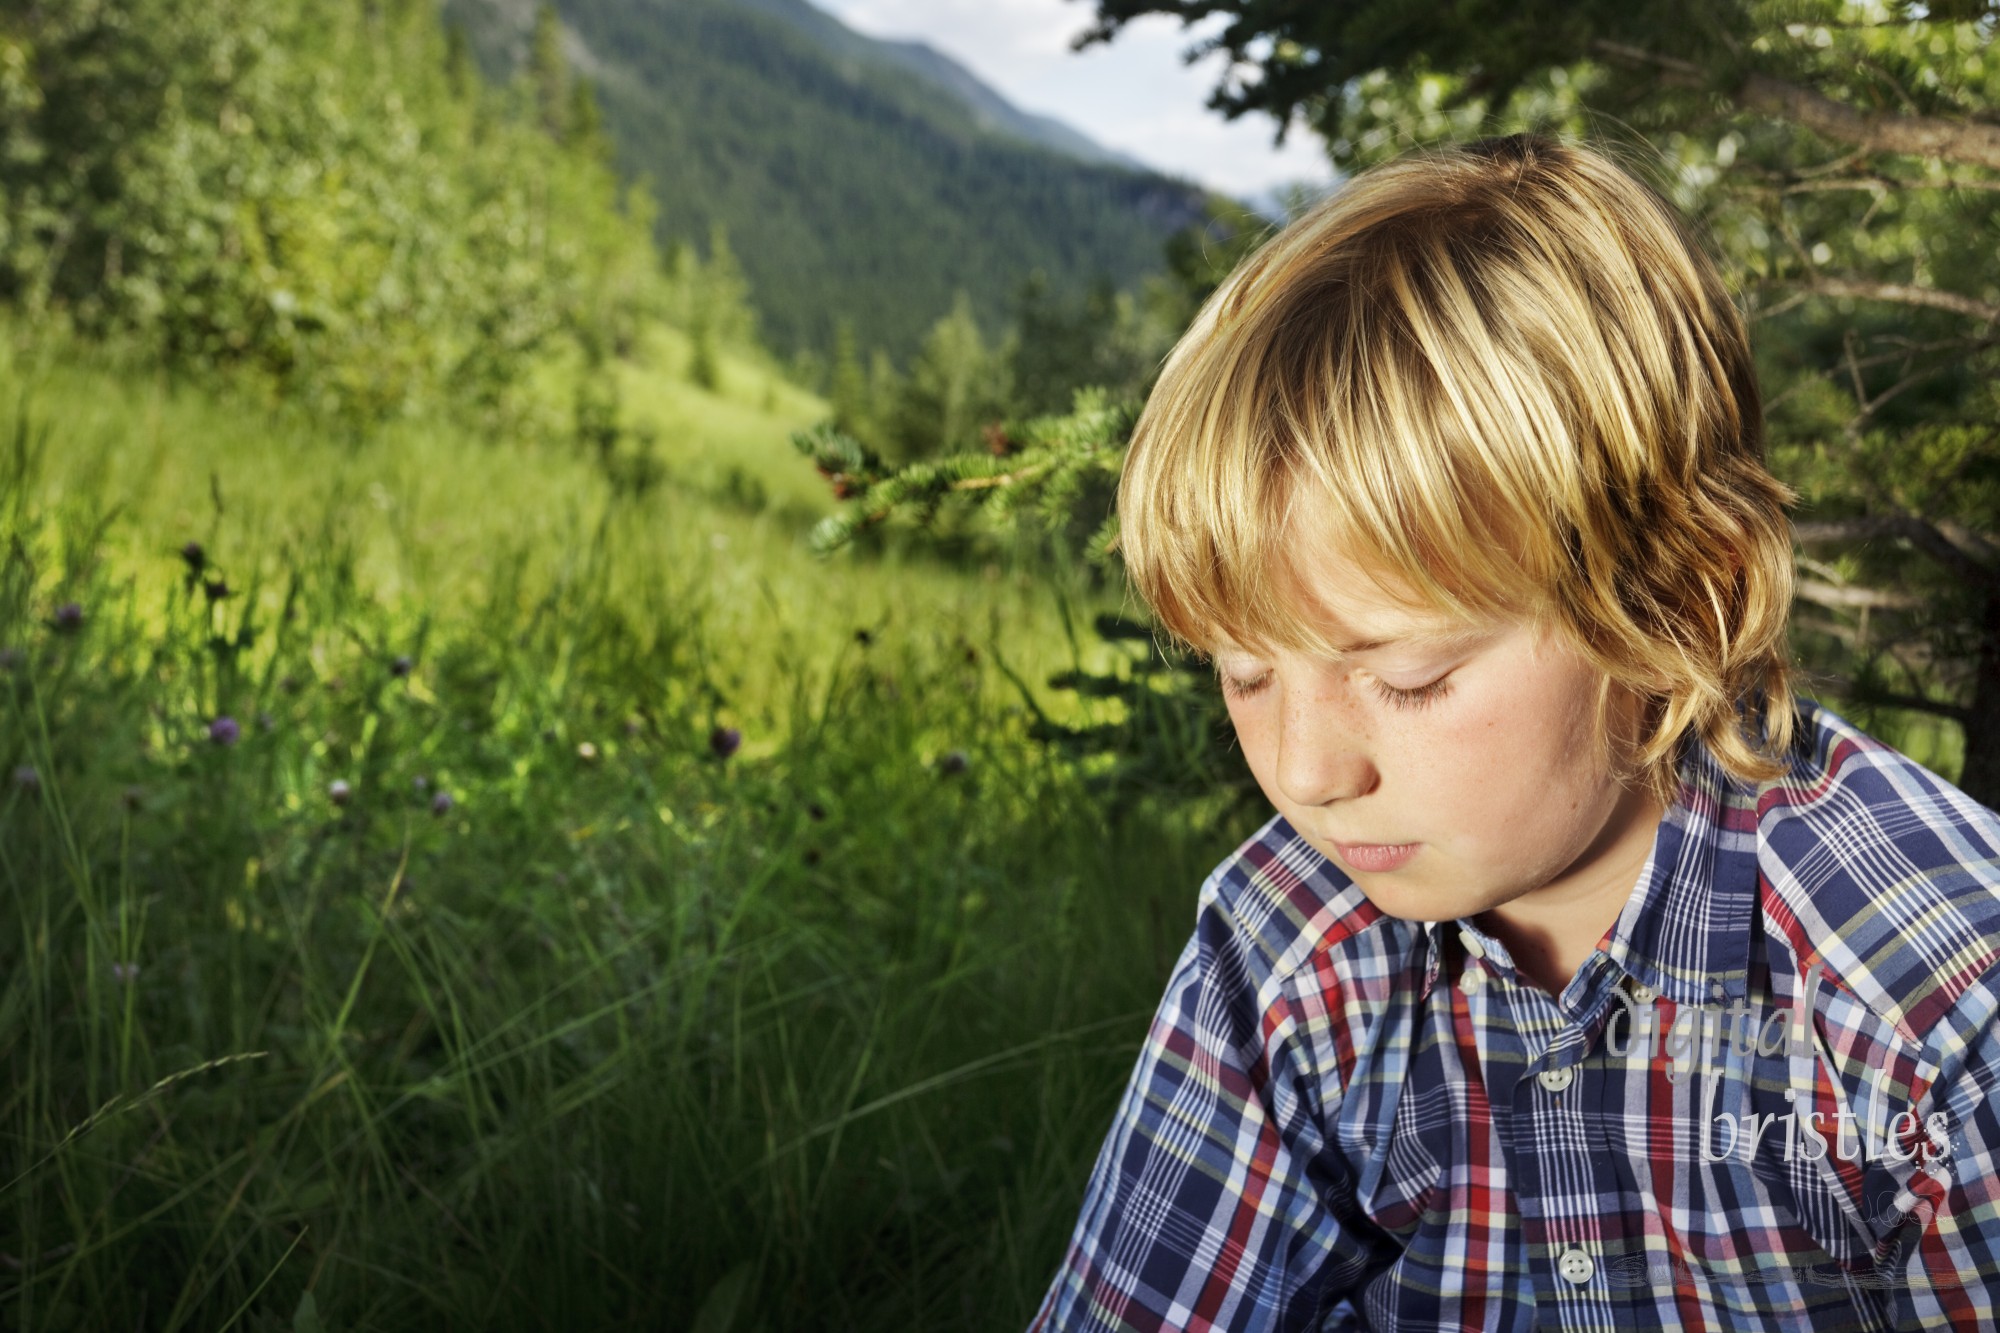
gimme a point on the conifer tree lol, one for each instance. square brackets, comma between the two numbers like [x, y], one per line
[548, 74]
[952, 390]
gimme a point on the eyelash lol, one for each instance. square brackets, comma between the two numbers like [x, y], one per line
[1420, 697]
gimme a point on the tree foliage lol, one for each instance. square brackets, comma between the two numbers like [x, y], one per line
[315, 194]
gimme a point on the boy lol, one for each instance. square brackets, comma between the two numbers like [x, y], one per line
[1585, 979]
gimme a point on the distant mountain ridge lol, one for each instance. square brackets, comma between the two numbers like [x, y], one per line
[858, 180]
[992, 109]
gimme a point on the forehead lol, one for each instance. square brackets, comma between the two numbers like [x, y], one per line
[1333, 599]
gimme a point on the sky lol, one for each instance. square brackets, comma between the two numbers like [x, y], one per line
[1134, 95]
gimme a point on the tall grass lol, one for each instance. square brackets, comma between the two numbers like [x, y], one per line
[552, 1014]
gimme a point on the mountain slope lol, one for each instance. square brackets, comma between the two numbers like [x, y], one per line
[989, 108]
[852, 186]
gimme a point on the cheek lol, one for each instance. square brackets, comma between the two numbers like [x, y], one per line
[1514, 759]
[1256, 726]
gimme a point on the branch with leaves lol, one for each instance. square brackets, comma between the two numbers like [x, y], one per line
[1034, 471]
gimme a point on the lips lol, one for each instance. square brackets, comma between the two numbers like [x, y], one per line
[1376, 857]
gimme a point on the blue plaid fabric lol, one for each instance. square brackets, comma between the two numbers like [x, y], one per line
[1765, 1102]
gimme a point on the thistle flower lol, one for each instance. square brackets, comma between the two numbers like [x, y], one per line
[26, 778]
[442, 803]
[339, 792]
[952, 763]
[217, 589]
[224, 730]
[69, 617]
[197, 559]
[724, 741]
[400, 667]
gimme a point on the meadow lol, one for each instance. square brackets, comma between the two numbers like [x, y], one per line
[456, 879]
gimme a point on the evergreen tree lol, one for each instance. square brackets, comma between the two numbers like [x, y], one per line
[548, 74]
[848, 392]
[952, 390]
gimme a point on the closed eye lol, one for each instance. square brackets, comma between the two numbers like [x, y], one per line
[1243, 689]
[1419, 697]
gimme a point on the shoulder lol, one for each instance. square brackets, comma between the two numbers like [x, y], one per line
[1881, 872]
[1287, 910]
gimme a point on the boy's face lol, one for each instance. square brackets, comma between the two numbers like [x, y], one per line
[1449, 771]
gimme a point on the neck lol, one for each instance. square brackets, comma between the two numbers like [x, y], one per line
[1552, 931]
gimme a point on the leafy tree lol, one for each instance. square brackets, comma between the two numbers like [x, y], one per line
[307, 194]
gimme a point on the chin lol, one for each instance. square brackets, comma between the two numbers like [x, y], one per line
[1410, 902]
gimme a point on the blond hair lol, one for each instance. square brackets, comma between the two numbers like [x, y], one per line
[1510, 380]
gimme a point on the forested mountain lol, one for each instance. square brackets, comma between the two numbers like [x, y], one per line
[857, 180]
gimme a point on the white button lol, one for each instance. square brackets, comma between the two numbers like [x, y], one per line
[1644, 994]
[1555, 1080]
[1472, 944]
[1576, 1267]
[1471, 981]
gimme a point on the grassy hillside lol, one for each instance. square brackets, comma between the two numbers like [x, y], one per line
[391, 941]
[852, 187]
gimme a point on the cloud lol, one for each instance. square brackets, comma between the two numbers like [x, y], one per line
[1136, 94]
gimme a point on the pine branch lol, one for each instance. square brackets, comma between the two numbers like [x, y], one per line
[1926, 537]
[1839, 596]
[1973, 142]
[1916, 703]
[1904, 294]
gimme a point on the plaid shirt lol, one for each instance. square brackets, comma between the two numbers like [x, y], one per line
[1762, 1103]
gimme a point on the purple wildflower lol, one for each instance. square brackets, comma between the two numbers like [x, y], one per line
[224, 730]
[400, 667]
[26, 778]
[197, 559]
[69, 617]
[134, 797]
[442, 803]
[952, 763]
[9, 658]
[339, 792]
[725, 741]
[217, 589]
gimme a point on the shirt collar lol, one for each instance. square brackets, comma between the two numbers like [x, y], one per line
[1685, 932]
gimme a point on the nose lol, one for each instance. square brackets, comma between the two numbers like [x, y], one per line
[1323, 754]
